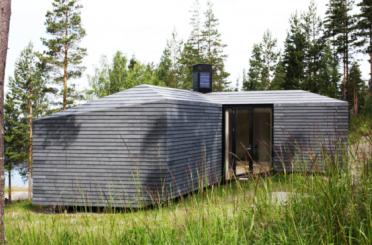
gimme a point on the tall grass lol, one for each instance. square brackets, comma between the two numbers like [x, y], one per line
[317, 210]
[329, 208]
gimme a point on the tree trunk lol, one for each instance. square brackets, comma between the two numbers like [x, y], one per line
[355, 101]
[346, 77]
[10, 183]
[370, 73]
[65, 65]
[5, 10]
[29, 104]
[65, 81]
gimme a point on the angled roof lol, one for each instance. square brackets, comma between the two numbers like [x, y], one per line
[145, 93]
[140, 94]
[269, 97]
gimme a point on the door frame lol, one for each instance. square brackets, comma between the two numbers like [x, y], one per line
[249, 107]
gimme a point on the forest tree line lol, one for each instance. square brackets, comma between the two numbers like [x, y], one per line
[318, 55]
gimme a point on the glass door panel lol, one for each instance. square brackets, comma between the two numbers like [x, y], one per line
[229, 157]
[248, 140]
[262, 139]
[243, 137]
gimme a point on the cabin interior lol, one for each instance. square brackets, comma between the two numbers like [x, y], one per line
[248, 140]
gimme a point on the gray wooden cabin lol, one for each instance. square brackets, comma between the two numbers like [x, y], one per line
[150, 144]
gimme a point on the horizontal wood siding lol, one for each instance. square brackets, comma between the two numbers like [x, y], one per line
[304, 132]
[115, 157]
[126, 157]
[195, 151]
[149, 144]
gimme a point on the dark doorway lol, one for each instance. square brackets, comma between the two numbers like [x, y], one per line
[248, 140]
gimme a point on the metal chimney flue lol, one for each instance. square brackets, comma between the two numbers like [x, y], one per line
[202, 78]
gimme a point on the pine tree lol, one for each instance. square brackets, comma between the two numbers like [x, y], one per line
[355, 87]
[253, 80]
[132, 62]
[262, 64]
[164, 68]
[191, 52]
[118, 73]
[339, 25]
[320, 66]
[203, 46]
[63, 26]
[279, 77]
[212, 47]
[307, 62]
[364, 31]
[270, 56]
[189, 56]
[195, 38]
[328, 77]
[28, 93]
[168, 69]
[14, 137]
[314, 47]
[294, 55]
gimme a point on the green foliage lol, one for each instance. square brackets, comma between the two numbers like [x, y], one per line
[203, 46]
[196, 34]
[307, 62]
[15, 129]
[340, 27]
[314, 49]
[253, 81]
[279, 76]
[294, 55]
[262, 64]
[321, 67]
[189, 56]
[212, 47]
[270, 56]
[64, 54]
[330, 211]
[355, 88]
[360, 126]
[328, 76]
[364, 24]
[367, 105]
[364, 32]
[119, 75]
[191, 51]
[27, 88]
[168, 70]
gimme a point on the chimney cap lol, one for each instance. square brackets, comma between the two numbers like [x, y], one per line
[202, 78]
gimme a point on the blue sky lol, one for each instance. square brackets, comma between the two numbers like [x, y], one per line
[142, 27]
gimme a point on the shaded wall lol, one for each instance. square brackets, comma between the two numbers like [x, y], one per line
[128, 156]
[100, 158]
[194, 144]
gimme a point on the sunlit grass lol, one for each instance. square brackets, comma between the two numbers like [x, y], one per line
[319, 209]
